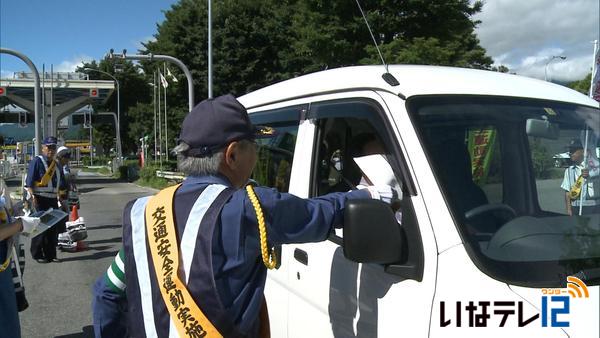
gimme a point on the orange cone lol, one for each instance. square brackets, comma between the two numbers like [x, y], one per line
[74, 214]
[81, 245]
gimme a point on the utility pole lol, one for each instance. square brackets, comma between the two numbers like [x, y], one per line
[154, 103]
[210, 91]
[166, 124]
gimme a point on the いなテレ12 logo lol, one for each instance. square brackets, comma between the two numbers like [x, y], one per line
[557, 302]
[555, 309]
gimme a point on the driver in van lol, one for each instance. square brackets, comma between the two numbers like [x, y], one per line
[221, 226]
[575, 183]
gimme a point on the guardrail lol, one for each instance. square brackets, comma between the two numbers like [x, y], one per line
[170, 175]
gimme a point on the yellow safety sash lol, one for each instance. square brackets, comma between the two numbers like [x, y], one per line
[189, 320]
[47, 175]
[4, 220]
[576, 188]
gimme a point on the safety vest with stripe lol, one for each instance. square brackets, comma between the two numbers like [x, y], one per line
[148, 315]
[45, 186]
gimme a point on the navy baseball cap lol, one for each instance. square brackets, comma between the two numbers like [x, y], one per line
[574, 145]
[50, 141]
[214, 123]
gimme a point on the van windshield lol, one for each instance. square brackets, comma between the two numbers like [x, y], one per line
[522, 181]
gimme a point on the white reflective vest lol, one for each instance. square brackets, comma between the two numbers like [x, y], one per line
[187, 248]
[50, 190]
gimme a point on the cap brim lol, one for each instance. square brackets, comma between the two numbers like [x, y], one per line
[264, 132]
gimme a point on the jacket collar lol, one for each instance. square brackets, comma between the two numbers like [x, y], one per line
[208, 179]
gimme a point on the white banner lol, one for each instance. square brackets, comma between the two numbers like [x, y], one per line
[164, 82]
[171, 75]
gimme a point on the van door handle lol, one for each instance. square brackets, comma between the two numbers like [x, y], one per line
[301, 256]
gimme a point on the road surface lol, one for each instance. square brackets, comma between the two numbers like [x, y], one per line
[59, 294]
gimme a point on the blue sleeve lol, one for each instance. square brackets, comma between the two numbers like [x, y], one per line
[31, 173]
[109, 311]
[291, 219]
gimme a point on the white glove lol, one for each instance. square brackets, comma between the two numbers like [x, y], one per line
[29, 224]
[384, 193]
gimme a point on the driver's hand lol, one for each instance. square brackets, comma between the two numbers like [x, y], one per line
[384, 193]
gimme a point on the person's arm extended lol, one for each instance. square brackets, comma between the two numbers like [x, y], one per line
[291, 219]
[10, 229]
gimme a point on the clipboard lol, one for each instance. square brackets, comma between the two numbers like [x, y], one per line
[376, 170]
[48, 219]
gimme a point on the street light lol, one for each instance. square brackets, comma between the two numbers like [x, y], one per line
[119, 150]
[550, 60]
[111, 54]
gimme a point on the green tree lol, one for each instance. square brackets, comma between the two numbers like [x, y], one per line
[541, 158]
[260, 42]
[436, 32]
[104, 137]
[582, 85]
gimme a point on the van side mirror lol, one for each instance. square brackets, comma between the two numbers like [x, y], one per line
[371, 233]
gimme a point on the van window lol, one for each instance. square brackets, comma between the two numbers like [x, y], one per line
[276, 154]
[511, 208]
[347, 130]
[556, 166]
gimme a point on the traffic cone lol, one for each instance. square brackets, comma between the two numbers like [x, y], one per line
[74, 214]
[81, 245]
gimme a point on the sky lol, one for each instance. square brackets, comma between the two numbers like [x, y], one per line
[520, 34]
[63, 33]
[524, 34]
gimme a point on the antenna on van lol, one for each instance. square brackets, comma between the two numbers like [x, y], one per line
[387, 76]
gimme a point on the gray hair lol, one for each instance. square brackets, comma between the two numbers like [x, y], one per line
[197, 166]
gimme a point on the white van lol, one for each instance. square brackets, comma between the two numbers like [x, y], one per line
[484, 245]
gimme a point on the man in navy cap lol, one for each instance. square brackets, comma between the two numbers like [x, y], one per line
[214, 231]
[45, 184]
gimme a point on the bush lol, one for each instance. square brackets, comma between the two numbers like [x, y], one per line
[121, 173]
[148, 178]
[542, 160]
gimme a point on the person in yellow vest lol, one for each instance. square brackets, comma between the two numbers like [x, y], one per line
[9, 308]
[9, 315]
[576, 181]
[45, 185]
[195, 256]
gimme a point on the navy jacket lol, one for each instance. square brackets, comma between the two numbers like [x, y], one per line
[237, 264]
[37, 170]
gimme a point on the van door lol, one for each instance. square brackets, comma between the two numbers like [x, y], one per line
[329, 295]
[277, 162]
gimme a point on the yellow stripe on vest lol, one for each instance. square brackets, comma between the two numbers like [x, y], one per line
[162, 239]
[47, 175]
[576, 188]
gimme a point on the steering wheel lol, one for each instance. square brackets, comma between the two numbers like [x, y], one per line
[487, 208]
